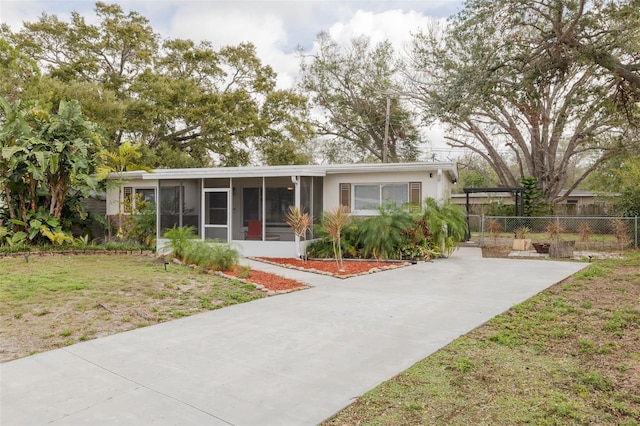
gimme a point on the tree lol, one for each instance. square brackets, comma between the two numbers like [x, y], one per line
[187, 99]
[594, 32]
[533, 198]
[45, 155]
[351, 87]
[474, 172]
[504, 93]
[621, 174]
[18, 72]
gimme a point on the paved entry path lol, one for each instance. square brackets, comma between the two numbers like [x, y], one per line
[293, 359]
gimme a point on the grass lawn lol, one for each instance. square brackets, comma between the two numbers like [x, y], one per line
[570, 355]
[54, 301]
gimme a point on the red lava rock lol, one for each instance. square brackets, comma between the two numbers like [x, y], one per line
[270, 281]
[330, 267]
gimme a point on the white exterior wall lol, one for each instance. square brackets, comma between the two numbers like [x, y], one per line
[112, 193]
[437, 186]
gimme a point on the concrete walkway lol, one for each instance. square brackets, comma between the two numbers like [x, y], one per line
[293, 359]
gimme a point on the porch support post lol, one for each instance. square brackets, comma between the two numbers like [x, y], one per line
[296, 185]
[263, 231]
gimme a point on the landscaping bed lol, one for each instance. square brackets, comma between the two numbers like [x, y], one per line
[349, 268]
[272, 283]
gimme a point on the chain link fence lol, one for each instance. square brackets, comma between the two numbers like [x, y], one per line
[587, 233]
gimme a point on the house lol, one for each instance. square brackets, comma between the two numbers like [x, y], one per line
[246, 206]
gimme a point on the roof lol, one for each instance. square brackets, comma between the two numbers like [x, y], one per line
[298, 170]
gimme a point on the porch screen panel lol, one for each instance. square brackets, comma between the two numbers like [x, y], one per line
[217, 208]
[306, 197]
[179, 204]
[169, 205]
[251, 205]
[318, 208]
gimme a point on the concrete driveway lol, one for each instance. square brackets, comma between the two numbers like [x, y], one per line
[293, 359]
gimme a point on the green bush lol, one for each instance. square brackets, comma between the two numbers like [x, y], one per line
[180, 239]
[141, 225]
[382, 236]
[322, 248]
[217, 257]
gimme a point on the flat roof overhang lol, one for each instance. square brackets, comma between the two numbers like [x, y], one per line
[297, 170]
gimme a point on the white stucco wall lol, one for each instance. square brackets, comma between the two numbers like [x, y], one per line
[435, 186]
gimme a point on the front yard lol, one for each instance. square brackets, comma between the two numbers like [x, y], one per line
[570, 355]
[54, 301]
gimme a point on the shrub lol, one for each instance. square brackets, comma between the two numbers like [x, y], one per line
[141, 224]
[522, 232]
[554, 229]
[447, 224]
[382, 236]
[494, 228]
[179, 239]
[216, 257]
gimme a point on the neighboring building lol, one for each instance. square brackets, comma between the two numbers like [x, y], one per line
[224, 203]
[578, 203]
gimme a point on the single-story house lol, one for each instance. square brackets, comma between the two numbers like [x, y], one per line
[246, 206]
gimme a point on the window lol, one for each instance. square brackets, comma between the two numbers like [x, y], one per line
[147, 195]
[371, 197]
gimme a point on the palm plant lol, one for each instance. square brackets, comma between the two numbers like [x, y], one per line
[333, 223]
[447, 224]
[180, 239]
[382, 236]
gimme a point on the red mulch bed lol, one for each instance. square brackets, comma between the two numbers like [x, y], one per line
[270, 281]
[330, 267]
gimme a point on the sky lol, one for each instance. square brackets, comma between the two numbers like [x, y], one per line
[276, 28]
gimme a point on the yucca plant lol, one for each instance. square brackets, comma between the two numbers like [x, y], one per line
[554, 229]
[382, 236]
[300, 223]
[333, 222]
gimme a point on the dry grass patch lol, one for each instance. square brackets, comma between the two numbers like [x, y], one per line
[54, 301]
[570, 355]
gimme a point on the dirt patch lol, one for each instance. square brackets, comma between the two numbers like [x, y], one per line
[349, 268]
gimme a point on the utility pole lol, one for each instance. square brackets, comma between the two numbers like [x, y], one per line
[385, 143]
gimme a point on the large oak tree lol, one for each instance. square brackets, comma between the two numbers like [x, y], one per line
[522, 83]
